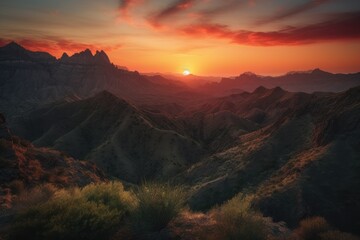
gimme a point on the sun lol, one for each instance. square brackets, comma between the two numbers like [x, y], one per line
[186, 72]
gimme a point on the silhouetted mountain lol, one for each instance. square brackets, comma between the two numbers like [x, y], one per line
[310, 81]
[86, 58]
[122, 140]
[15, 52]
[29, 79]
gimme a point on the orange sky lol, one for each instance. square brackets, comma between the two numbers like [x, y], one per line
[208, 37]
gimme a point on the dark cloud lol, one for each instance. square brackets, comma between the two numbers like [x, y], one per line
[338, 27]
[225, 6]
[293, 11]
[174, 8]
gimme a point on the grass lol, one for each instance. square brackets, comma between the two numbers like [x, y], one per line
[158, 204]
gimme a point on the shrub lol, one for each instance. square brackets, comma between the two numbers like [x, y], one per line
[93, 212]
[312, 228]
[111, 194]
[237, 220]
[35, 196]
[158, 204]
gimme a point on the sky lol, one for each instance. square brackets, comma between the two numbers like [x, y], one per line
[207, 37]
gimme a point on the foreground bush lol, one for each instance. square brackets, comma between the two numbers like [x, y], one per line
[93, 212]
[311, 228]
[158, 204]
[237, 220]
[317, 228]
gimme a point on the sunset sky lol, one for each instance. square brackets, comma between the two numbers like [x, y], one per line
[208, 37]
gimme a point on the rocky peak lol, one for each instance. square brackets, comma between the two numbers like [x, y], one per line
[87, 58]
[101, 57]
[13, 46]
[64, 56]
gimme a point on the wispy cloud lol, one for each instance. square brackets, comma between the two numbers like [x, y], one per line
[338, 27]
[173, 9]
[292, 11]
[223, 7]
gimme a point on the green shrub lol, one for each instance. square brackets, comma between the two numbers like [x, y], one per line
[93, 212]
[312, 228]
[111, 194]
[237, 220]
[158, 204]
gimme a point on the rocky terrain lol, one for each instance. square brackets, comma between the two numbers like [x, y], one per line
[23, 165]
[124, 141]
[294, 147]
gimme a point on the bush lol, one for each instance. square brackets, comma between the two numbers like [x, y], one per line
[158, 204]
[237, 220]
[312, 228]
[35, 196]
[93, 212]
[112, 195]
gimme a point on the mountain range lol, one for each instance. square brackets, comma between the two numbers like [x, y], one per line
[293, 141]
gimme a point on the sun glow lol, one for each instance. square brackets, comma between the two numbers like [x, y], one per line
[186, 72]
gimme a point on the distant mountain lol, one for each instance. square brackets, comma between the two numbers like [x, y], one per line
[30, 79]
[304, 162]
[122, 140]
[16, 53]
[311, 81]
[21, 161]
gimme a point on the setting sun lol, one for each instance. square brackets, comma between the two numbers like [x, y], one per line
[186, 72]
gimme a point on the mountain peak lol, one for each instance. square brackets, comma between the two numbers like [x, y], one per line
[64, 56]
[260, 90]
[318, 71]
[87, 58]
[101, 57]
[14, 46]
[248, 74]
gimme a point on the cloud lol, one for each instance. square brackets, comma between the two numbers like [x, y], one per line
[226, 6]
[124, 7]
[338, 27]
[173, 9]
[293, 11]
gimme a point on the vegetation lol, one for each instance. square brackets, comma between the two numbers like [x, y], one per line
[236, 219]
[93, 212]
[107, 210]
[158, 204]
[317, 228]
[311, 228]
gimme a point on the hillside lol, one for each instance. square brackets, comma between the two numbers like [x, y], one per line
[24, 165]
[303, 164]
[122, 140]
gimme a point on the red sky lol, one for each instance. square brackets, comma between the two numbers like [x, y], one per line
[208, 37]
